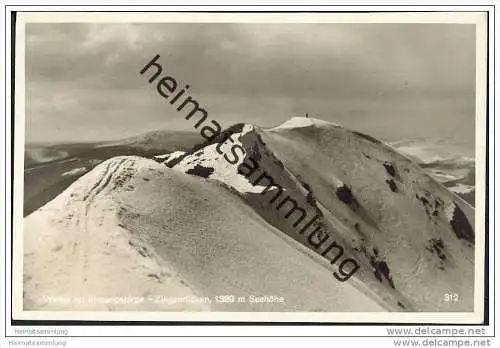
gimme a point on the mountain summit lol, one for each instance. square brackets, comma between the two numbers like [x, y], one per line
[353, 224]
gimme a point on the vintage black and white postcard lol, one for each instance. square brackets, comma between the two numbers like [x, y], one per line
[250, 167]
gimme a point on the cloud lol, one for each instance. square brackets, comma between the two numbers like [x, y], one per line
[82, 76]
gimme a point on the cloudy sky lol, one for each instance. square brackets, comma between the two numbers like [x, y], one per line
[390, 80]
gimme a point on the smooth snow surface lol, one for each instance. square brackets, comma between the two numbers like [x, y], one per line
[134, 226]
[299, 122]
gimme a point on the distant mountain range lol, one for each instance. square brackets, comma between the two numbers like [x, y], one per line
[253, 212]
[450, 162]
[51, 168]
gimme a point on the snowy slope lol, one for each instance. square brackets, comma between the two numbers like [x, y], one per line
[413, 238]
[134, 228]
[405, 218]
[223, 228]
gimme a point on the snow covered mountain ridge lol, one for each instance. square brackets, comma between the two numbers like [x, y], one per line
[377, 232]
